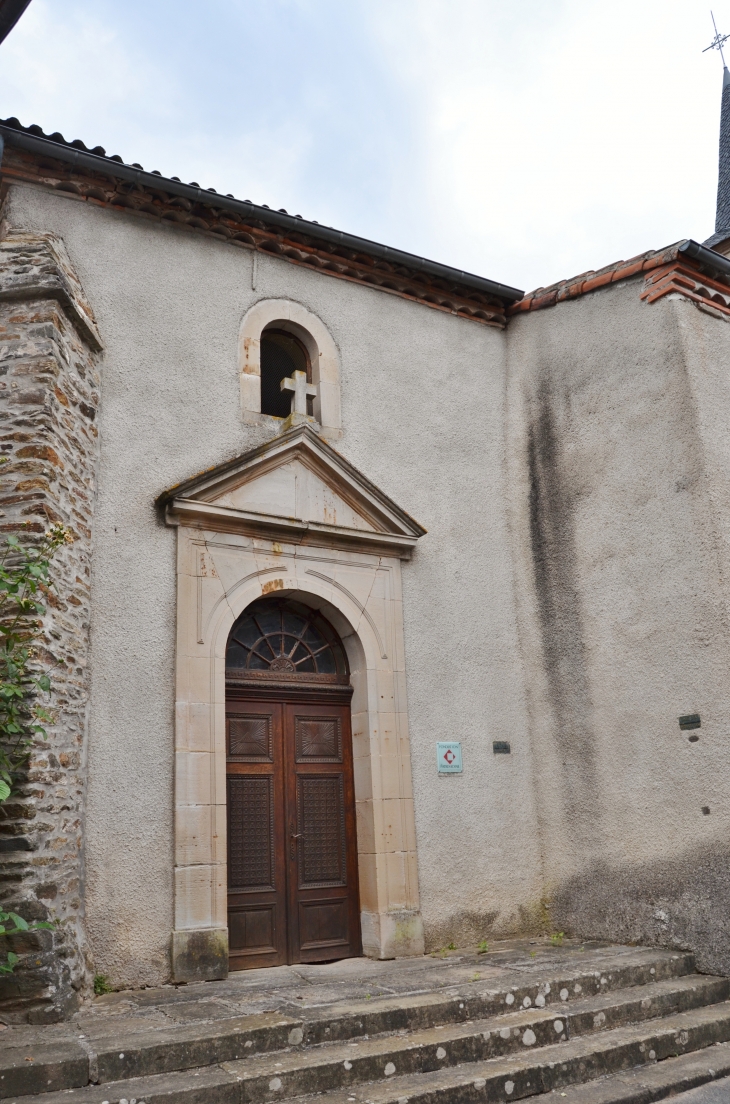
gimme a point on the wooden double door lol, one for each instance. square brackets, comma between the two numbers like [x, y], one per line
[292, 848]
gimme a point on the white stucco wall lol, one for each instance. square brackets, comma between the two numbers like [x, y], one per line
[423, 414]
[620, 467]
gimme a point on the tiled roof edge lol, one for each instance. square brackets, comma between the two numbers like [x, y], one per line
[591, 281]
[12, 132]
[687, 249]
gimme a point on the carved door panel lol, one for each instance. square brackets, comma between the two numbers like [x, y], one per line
[292, 845]
[324, 913]
[257, 898]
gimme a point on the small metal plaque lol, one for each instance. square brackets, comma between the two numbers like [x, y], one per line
[501, 747]
[448, 756]
[690, 720]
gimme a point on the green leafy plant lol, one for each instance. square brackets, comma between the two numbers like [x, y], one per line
[102, 985]
[12, 924]
[24, 581]
[557, 939]
[8, 966]
[482, 947]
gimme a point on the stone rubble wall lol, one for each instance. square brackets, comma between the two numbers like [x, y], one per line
[49, 397]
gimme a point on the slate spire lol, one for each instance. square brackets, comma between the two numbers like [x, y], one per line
[721, 237]
[722, 216]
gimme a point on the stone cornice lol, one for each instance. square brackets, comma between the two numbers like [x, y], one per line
[209, 516]
[35, 266]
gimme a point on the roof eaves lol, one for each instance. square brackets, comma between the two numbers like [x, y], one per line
[12, 132]
[707, 259]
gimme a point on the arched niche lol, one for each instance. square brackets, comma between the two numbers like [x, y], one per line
[292, 317]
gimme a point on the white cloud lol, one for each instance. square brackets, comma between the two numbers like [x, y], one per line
[68, 69]
[527, 141]
[560, 137]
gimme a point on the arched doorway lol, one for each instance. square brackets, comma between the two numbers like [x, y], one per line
[331, 540]
[292, 847]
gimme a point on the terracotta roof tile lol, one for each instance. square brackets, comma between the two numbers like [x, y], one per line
[594, 279]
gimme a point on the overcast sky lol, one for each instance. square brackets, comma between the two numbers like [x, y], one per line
[526, 141]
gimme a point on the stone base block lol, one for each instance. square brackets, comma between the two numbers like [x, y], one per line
[392, 934]
[200, 955]
[297, 419]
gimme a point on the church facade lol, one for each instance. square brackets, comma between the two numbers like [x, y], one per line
[395, 612]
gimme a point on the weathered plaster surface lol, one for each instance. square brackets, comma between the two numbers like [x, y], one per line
[423, 407]
[570, 595]
[619, 463]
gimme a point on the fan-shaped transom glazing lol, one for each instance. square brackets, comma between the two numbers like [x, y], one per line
[276, 637]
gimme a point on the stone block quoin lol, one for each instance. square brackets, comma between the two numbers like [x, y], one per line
[49, 397]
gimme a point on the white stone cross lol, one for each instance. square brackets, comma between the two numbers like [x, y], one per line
[302, 391]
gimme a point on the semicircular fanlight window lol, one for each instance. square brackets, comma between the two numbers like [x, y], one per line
[276, 637]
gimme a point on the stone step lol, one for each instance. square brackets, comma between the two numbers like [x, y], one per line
[480, 1000]
[454, 1065]
[46, 1067]
[644, 1062]
[320, 1069]
[33, 1066]
[43, 1067]
[678, 1078]
[717, 1092]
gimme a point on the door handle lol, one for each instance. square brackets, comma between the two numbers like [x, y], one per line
[293, 847]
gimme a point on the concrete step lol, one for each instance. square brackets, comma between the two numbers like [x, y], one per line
[30, 1065]
[492, 1060]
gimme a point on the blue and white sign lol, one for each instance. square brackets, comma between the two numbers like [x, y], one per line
[448, 756]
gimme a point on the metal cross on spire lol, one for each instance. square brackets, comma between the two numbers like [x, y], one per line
[722, 212]
[718, 41]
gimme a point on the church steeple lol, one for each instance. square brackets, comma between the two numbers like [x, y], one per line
[722, 216]
[721, 237]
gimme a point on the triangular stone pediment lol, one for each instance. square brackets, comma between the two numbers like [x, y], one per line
[294, 489]
[298, 485]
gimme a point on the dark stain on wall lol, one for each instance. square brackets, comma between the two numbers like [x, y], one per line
[465, 928]
[683, 902]
[554, 557]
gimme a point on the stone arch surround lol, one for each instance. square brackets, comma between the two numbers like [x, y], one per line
[286, 314]
[219, 575]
